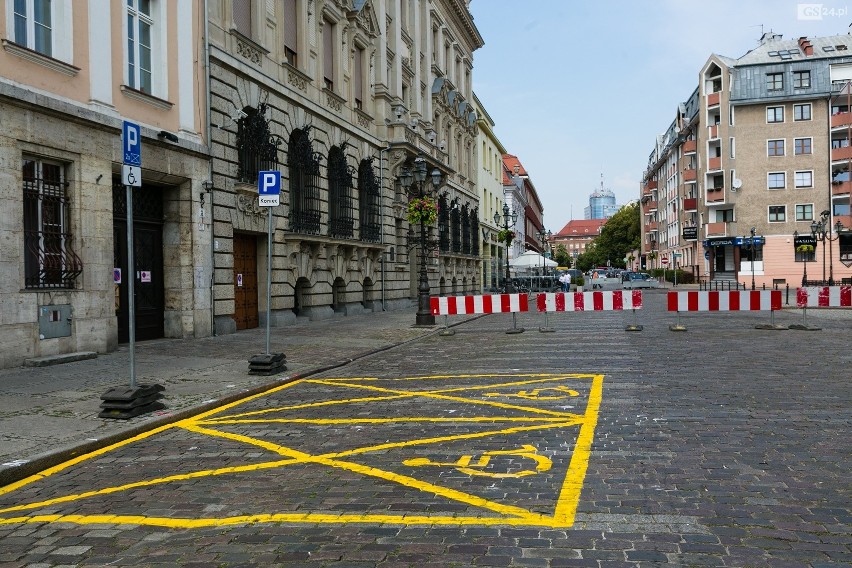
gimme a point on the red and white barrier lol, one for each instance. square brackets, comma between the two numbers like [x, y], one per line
[724, 301]
[824, 297]
[486, 304]
[589, 301]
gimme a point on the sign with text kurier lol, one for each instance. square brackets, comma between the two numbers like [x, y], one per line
[269, 188]
[690, 233]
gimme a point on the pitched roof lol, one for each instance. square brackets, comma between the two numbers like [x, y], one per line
[582, 228]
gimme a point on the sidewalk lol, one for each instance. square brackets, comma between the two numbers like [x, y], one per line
[49, 414]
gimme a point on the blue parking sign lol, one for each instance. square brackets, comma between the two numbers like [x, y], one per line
[131, 143]
[269, 188]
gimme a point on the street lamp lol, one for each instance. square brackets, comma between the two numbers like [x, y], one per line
[751, 250]
[805, 250]
[507, 219]
[821, 231]
[544, 237]
[415, 185]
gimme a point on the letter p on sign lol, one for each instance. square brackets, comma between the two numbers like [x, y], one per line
[268, 188]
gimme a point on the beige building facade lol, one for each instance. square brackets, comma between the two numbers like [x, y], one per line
[72, 73]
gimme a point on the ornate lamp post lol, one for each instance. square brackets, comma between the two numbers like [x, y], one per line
[422, 210]
[751, 250]
[544, 237]
[805, 250]
[507, 219]
[821, 231]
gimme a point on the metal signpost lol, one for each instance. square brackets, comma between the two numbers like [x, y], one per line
[123, 403]
[131, 176]
[268, 195]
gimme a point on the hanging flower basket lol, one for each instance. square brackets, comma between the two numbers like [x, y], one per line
[422, 209]
[506, 236]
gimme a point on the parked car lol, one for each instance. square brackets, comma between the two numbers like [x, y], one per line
[635, 280]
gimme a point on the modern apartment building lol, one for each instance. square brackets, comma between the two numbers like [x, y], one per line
[764, 155]
[71, 72]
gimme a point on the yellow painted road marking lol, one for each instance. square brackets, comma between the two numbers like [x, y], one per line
[541, 419]
[465, 464]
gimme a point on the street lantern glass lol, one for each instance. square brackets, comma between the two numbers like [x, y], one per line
[420, 169]
[406, 178]
[496, 217]
[814, 228]
[436, 177]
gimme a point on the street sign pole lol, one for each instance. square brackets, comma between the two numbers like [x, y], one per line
[131, 143]
[269, 196]
[268, 276]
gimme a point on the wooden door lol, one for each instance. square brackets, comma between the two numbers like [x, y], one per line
[245, 281]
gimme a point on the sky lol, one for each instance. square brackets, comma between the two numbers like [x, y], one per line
[581, 89]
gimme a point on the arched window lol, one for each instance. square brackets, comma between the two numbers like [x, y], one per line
[474, 231]
[443, 223]
[257, 147]
[455, 225]
[370, 202]
[465, 220]
[341, 209]
[303, 164]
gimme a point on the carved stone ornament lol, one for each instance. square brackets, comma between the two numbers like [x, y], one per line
[248, 52]
[248, 205]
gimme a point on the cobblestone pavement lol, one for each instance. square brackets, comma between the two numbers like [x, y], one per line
[590, 446]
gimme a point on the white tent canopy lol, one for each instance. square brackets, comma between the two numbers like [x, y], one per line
[531, 259]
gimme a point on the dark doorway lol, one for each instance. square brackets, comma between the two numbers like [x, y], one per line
[148, 262]
[245, 281]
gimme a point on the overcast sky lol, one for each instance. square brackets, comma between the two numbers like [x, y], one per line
[580, 89]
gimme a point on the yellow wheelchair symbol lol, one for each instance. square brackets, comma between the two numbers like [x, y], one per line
[465, 464]
[535, 393]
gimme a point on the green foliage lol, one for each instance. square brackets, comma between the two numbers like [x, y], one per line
[683, 277]
[619, 236]
[561, 256]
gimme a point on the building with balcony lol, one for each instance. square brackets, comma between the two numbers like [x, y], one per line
[771, 159]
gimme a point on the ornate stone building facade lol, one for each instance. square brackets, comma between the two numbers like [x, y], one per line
[341, 97]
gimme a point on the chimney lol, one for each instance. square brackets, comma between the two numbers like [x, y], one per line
[806, 46]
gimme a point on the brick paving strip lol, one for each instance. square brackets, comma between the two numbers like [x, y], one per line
[722, 446]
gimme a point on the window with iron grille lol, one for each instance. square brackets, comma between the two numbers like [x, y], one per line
[370, 202]
[465, 229]
[257, 147]
[474, 231]
[341, 209]
[443, 223]
[49, 259]
[455, 225]
[304, 167]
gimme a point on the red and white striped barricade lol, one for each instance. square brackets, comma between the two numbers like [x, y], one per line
[484, 304]
[724, 301]
[821, 297]
[612, 300]
[824, 297]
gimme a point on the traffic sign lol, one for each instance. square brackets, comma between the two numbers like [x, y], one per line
[131, 143]
[131, 175]
[664, 261]
[269, 188]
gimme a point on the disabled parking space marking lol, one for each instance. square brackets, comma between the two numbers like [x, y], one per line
[522, 460]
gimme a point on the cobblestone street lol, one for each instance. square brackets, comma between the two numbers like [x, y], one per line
[590, 446]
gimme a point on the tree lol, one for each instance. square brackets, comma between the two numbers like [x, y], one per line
[620, 235]
[561, 256]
